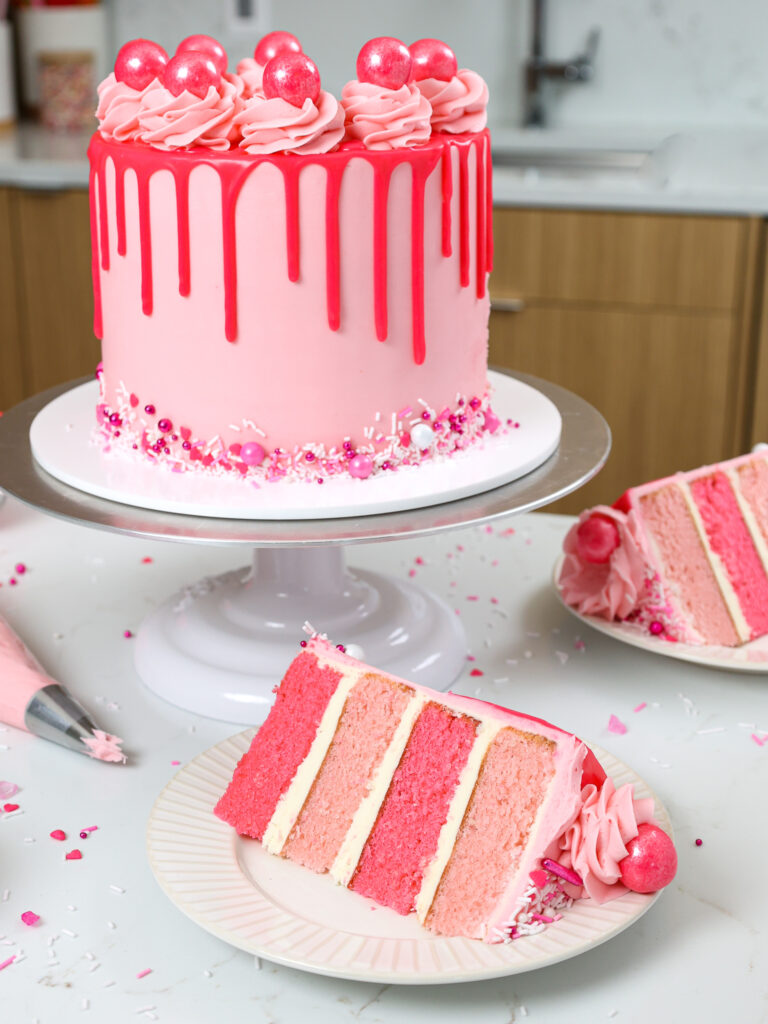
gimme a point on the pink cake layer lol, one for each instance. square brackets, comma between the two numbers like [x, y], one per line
[371, 714]
[510, 788]
[686, 572]
[404, 839]
[264, 773]
[290, 300]
[730, 540]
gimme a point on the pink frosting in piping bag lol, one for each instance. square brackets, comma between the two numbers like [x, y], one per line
[386, 118]
[458, 105]
[118, 108]
[177, 122]
[612, 589]
[21, 676]
[274, 125]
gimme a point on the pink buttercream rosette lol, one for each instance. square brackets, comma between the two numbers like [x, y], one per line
[276, 126]
[458, 105]
[596, 843]
[118, 108]
[252, 74]
[180, 122]
[612, 589]
[386, 118]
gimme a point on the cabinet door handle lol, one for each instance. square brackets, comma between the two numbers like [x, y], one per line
[504, 304]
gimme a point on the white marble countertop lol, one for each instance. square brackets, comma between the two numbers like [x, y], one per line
[700, 953]
[695, 171]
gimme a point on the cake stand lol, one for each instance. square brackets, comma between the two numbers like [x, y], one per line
[219, 647]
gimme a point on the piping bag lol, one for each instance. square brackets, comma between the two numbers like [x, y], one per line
[31, 700]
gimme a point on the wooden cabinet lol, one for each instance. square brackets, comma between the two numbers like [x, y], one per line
[648, 317]
[46, 304]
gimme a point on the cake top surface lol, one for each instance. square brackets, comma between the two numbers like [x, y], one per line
[274, 102]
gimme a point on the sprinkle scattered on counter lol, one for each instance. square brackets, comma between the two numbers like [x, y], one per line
[699, 842]
[117, 888]
[477, 672]
[175, 762]
[640, 707]
[144, 973]
[7, 963]
[58, 834]
[759, 740]
[147, 560]
[127, 634]
[30, 918]
[8, 789]
[616, 725]
[73, 855]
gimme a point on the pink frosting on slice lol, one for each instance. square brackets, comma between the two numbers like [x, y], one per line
[459, 105]
[118, 108]
[612, 589]
[386, 118]
[105, 747]
[596, 842]
[251, 73]
[179, 122]
[275, 126]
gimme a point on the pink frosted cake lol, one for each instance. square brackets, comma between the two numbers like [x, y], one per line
[483, 821]
[289, 285]
[685, 558]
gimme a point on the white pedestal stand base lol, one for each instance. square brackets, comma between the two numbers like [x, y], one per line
[220, 647]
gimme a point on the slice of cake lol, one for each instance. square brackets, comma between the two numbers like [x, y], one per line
[685, 557]
[483, 821]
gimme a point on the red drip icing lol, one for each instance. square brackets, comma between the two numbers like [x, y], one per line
[381, 178]
[464, 216]
[447, 182]
[480, 218]
[332, 257]
[95, 272]
[234, 167]
[120, 209]
[182, 227]
[103, 222]
[291, 179]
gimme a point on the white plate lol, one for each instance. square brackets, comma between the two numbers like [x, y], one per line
[282, 912]
[751, 657]
[62, 439]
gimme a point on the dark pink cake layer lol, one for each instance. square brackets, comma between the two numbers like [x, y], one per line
[730, 539]
[510, 788]
[404, 838]
[278, 748]
[367, 724]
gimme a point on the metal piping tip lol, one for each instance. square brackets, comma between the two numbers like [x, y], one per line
[53, 715]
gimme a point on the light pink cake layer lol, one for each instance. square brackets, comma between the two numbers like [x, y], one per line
[513, 781]
[686, 571]
[264, 773]
[753, 484]
[371, 714]
[730, 539]
[404, 838]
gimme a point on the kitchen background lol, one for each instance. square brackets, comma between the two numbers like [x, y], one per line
[630, 231]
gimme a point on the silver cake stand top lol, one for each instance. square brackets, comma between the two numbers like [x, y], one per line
[584, 446]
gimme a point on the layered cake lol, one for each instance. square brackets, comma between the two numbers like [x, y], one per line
[685, 558]
[287, 284]
[484, 822]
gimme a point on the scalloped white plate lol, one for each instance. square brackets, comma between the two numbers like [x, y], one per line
[284, 913]
[751, 657]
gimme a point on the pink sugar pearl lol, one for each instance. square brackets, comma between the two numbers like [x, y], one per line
[360, 467]
[384, 61]
[208, 45]
[191, 71]
[136, 65]
[292, 77]
[596, 539]
[252, 454]
[651, 861]
[273, 44]
[432, 58]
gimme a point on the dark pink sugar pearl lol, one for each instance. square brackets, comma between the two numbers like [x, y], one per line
[432, 58]
[192, 72]
[341, 647]
[651, 861]
[292, 77]
[273, 44]
[656, 628]
[302, 643]
[208, 45]
[20, 568]
[164, 425]
[475, 403]
[699, 842]
[596, 539]
[136, 65]
[149, 410]
[384, 61]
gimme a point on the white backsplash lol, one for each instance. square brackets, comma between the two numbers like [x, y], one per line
[660, 63]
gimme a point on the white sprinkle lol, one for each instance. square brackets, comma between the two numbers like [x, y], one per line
[234, 426]
[4, 747]
[15, 814]
[108, 984]
[523, 1011]
[71, 906]
[613, 1013]
[89, 956]
[111, 924]
[19, 957]
[54, 963]
[85, 1005]
[528, 654]
[51, 939]
[377, 417]
[27, 839]
[116, 888]
[502, 679]
[67, 932]
[95, 967]
[257, 963]
[208, 974]
[7, 942]
[747, 725]
[706, 732]
[146, 1009]
[561, 656]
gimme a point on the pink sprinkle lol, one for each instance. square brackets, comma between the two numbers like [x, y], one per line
[758, 740]
[8, 789]
[146, 561]
[495, 562]
[8, 962]
[489, 529]
[10, 807]
[508, 532]
[58, 834]
[494, 600]
[20, 568]
[699, 842]
[579, 645]
[641, 706]
[471, 657]
[127, 634]
[472, 597]
[73, 855]
[91, 828]
[539, 878]
[567, 874]
[543, 918]
[411, 572]
[143, 974]
[419, 560]
[30, 917]
[12, 581]
[175, 762]
[616, 725]
[477, 672]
